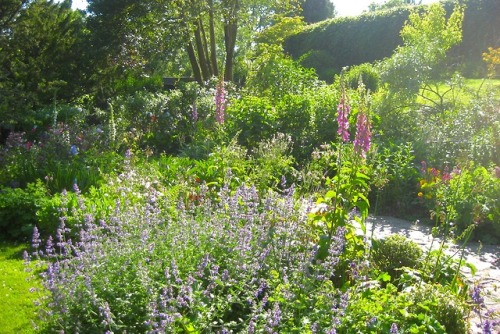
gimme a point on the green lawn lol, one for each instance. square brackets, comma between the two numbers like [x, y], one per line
[17, 310]
[473, 86]
[483, 84]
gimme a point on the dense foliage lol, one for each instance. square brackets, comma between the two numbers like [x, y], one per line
[217, 207]
[377, 35]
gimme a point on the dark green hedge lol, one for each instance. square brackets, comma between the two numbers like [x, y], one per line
[373, 36]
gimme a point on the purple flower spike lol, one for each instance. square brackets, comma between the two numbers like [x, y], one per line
[343, 111]
[394, 329]
[362, 142]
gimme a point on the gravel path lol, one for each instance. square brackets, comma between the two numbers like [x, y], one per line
[486, 258]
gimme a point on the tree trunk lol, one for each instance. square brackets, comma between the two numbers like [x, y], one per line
[205, 50]
[194, 63]
[230, 30]
[213, 51]
[202, 61]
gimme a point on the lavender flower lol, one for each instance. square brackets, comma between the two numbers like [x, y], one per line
[487, 327]
[35, 241]
[394, 329]
[251, 327]
[476, 296]
[149, 253]
[275, 315]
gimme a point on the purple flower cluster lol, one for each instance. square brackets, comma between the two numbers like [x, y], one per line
[239, 263]
[394, 329]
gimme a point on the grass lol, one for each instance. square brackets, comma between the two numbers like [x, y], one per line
[477, 84]
[473, 87]
[17, 309]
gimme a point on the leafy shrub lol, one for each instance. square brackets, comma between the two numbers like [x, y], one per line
[479, 32]
[449, 310]
[393, 179]
[253, 119]
[366, 73]
[18, 210]
[60, 155]
[322, 62]
[421, 309]
[396, 252]
[275, 74]
[272, 163]
[340, 51]
[307, 117]
[462, 198]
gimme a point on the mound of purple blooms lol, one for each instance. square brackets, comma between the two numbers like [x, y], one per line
[231, 261]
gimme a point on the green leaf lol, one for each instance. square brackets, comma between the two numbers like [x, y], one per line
[384, 277]
[330, 194]
[473, 268]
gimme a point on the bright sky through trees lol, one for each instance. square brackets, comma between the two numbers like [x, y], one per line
[356, 7]
[343, 7]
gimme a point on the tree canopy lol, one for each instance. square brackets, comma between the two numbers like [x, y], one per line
[41, 58]
[317, 10]
[208, 31]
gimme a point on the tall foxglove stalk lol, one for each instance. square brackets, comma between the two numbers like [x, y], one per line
[220, 102]
[362, 141]
[343, 110]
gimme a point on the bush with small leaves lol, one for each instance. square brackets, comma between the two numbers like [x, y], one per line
[395, 252]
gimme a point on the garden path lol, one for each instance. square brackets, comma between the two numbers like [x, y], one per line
[486, 258]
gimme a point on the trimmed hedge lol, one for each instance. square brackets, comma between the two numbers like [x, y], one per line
[348, 41]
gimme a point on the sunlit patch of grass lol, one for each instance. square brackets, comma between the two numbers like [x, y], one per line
[432, 95]
[481, 84]
[17, 308]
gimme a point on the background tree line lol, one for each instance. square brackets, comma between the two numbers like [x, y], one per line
[51, 53]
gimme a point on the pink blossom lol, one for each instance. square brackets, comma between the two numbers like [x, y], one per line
[343, 111]
[362, 141]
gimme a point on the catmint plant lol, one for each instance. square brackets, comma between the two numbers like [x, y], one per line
[234, 261]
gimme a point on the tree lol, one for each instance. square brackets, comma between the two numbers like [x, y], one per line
[9, 10]
[427, 37]
[41, 59]
[317, 10]
[207, 30]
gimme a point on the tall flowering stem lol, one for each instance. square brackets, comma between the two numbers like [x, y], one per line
[362, 141]
[343, 110]
[220, 102]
